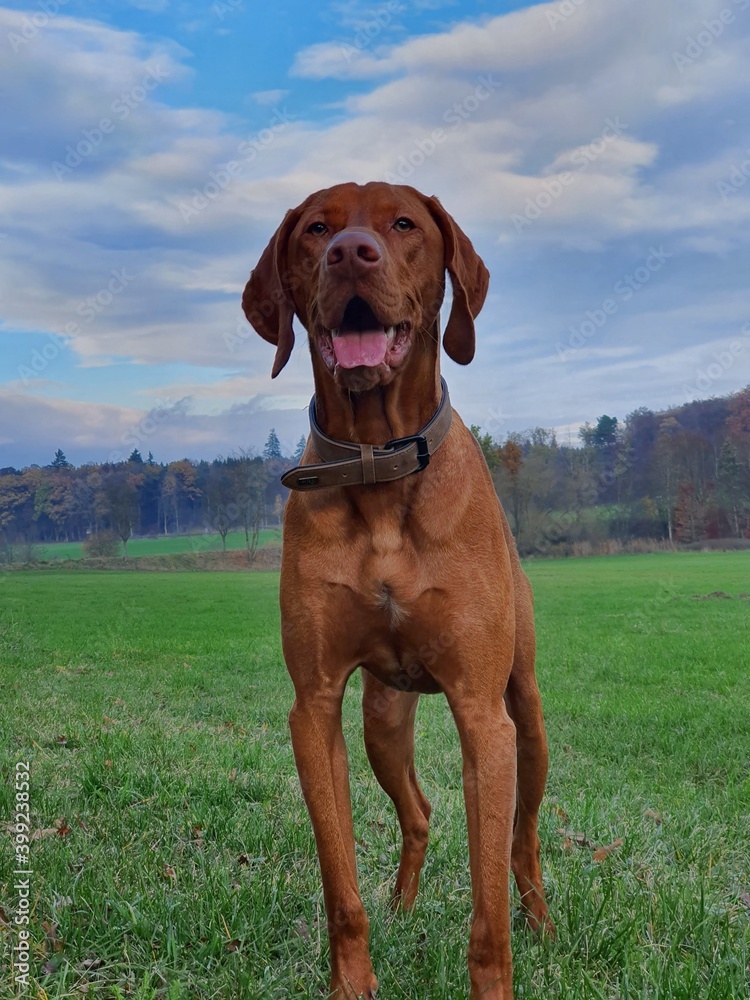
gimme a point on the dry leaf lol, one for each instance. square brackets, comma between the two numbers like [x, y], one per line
[62, 827]
[50, 935]
[108, 763]
[243, 859]
[232, 945]
[90, 964]
[654, 815]
[40, 834]
[62, 741]
[302, 930]
[558, 811]
[48, 969]
[233, 774]
[577, 838]
[745, 900]
[4, 918]
[604, 852]
[169, 872]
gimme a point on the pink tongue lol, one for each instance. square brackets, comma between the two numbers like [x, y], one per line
[365, 348]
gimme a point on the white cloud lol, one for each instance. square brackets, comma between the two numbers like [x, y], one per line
[101, 432]
[264, 97]
[486, 115]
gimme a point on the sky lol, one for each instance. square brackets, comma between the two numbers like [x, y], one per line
[597, 153]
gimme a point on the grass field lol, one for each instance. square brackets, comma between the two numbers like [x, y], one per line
[163, 545]
[175, 858]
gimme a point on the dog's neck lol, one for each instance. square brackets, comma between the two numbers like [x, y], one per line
[376, 416]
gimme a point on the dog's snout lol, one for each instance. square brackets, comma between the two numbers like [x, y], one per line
[353, 248]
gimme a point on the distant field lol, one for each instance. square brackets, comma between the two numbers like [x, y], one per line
[163, 545]
[175, 859]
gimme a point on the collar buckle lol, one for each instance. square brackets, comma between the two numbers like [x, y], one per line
[423, 449]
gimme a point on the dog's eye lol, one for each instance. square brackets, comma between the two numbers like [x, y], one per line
[317, 229]
[403, 225]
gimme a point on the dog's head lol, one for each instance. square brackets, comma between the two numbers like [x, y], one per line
[363, 267]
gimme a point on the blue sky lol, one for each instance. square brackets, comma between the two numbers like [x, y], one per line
[597, 152]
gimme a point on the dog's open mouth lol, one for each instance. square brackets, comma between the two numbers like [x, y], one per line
[361, 341]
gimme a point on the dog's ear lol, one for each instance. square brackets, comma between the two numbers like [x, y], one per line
[266, 301]
[470, 280]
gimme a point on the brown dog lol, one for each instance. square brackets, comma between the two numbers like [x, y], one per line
[398, 559]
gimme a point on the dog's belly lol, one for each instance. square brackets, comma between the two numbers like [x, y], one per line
[399, 642]
[402, 671]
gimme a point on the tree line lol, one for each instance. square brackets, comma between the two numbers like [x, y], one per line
[97, 503]
[680, 475]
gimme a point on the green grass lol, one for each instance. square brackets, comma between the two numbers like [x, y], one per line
[163, 545]
[153, 710]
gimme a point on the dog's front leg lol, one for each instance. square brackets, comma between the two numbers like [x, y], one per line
[320, 753]
[489, 778]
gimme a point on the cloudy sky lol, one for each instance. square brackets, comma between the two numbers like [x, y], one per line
[596, 151]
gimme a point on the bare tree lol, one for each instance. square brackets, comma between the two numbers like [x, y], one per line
[250, 479]
[122, 502]
[220, 491]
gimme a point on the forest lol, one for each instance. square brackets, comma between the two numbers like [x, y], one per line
[678, 477]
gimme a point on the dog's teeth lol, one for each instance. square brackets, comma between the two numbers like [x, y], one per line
[390, 332]
[335, 333]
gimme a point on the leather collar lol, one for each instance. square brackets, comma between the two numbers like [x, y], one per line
[346, 463]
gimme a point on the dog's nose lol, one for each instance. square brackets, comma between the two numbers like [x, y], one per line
[353, 248]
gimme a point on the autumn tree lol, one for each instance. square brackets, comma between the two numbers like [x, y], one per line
[510, 484]
[733, 491]
[666, 468]
[178, 488]
[16, 497]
